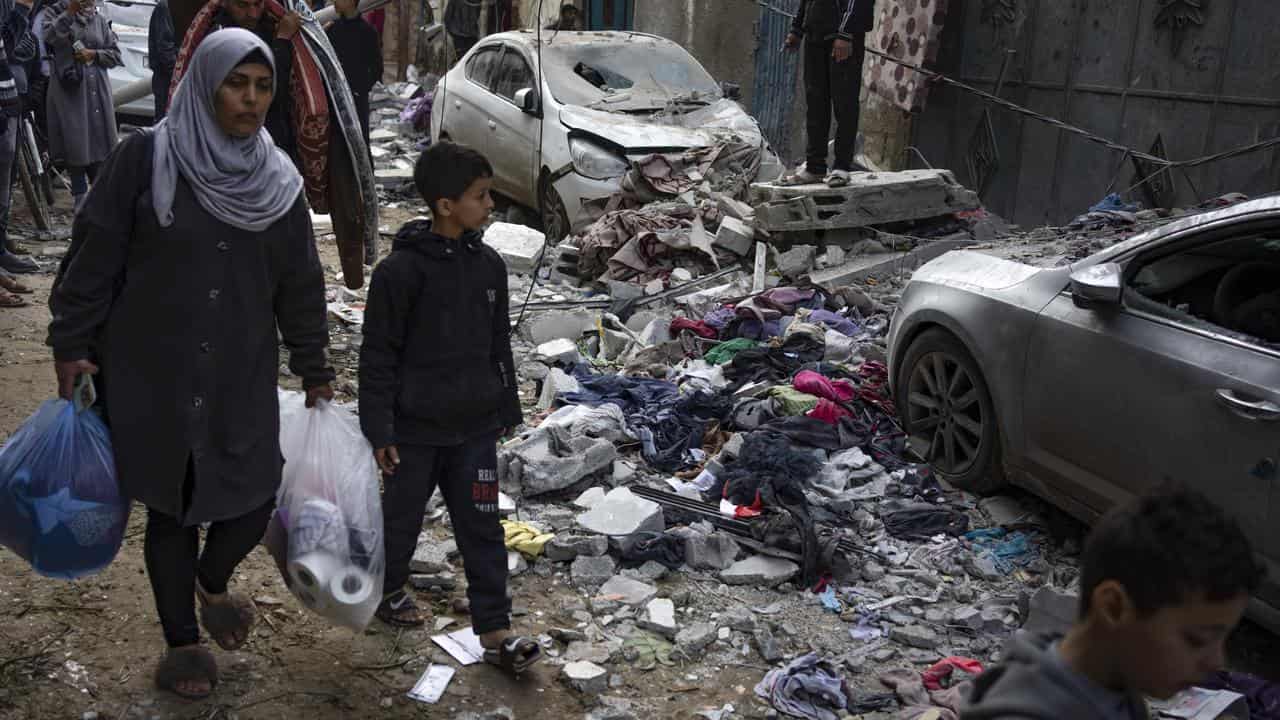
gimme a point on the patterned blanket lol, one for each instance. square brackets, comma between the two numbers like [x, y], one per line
[310, 111]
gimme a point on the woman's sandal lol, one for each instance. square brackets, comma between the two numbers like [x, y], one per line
[10, 283]
[190, 664]
[516, 655]
[399, 610]
[9, 300]
[226, 621]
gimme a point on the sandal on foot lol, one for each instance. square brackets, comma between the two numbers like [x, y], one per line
[516, 655]
[801, 176]
[9, 300]
[399, 610]
[190, 664]
[11, 284]
[224, 621]
[838, 179]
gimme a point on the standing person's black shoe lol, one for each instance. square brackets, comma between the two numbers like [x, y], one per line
[17, 265]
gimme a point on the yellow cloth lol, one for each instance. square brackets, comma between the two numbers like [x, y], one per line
[524, 538]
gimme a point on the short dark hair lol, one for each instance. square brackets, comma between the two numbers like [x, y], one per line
[1167, 546]
[447, 169]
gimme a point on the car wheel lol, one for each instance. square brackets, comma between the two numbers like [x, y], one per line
[947, 412]
[555, 217]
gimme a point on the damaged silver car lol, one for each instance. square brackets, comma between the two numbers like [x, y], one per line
[1156, 359]
[605, 100]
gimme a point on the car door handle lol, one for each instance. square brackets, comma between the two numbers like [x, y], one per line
[493, 125]
[1259, 410]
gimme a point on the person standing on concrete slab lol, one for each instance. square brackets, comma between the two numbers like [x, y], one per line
[162, 54]
[834, 38]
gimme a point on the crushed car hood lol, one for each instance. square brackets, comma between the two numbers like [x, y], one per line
[974, 270]
[721, 121]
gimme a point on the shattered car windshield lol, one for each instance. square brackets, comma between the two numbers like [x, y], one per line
[626, 75]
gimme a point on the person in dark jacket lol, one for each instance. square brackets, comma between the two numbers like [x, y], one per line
[569, 19]
[462, 21]
[185, 262]
[250, 15]
[360, 52]
[834, 38]
[162, 55]
[438, 387]
[1163, 581]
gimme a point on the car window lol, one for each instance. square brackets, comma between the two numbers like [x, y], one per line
[513, 74]
[1229, 286]
[636, 74]
[480, 66]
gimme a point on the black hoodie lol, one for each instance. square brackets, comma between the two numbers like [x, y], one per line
[1033, 683]
[820, 20]
[436, 366]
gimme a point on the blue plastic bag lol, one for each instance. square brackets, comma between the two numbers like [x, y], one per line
[60, 504]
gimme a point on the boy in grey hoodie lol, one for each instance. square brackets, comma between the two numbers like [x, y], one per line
[1164, 579]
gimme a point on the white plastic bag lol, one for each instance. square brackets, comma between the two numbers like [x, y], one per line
[327, 534]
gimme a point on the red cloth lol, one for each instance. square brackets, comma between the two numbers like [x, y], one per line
[699, 327]
[938, 677]
[808, 381]
[310, 114]
[377, 18]
[828, 412]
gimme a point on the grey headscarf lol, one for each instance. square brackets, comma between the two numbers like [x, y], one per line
[247, 183]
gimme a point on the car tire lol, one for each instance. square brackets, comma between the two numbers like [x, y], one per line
[555, 218]
[946, 409]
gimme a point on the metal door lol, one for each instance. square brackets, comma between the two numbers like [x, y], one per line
[610, 14]
[773, 95]
[1175, 78]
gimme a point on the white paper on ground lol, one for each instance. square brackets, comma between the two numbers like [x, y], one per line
[431, 686]
[463, 645]
[1197, 704]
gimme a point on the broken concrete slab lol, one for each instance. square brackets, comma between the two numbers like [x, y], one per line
[431, 557]
[660, 617]
[717, 551]
[735, 236]
[557, 325]
[797, 262]
[519, 246]
[621, 515]
[561, 351]
[1050, 611]
[592, 571]
[556, 382]
[548, 460]
[586, 677]
[628, 592]
[760, 570]
[739, 618]
[567, 547]
[767, 645]
[590, 497]
[696, 638]
[869, 199]
[883, 264]
[916, 636]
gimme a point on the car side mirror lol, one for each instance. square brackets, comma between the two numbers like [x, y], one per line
[1097, 286]
[527, 100]
[733, 91]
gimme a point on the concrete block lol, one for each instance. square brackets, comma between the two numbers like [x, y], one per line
[660, 617]
[735, 209]
[556, 382]
[586, 677]
[760, 570]
[539, 463]
[590, 498]
[696, 638]
[716, 551]
[735, 236]
[557, 325]
[518, 245]
[561, 350]
[592, 572]
[916, 636]
[797, 262]
[882, 264]
[431, 557]
[621, 515]
[767, 645]
[567, 547]
[626, 591]
[869, 199]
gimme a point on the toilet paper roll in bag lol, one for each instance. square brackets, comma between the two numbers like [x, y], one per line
[312, 574]
[351, 586]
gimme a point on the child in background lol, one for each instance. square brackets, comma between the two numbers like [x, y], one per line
[360, 52]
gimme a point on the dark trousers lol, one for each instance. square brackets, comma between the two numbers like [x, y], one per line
[467, 475]
[462, 45]
[831, 86]
[160, 82]
[174, 562]
[362, 112]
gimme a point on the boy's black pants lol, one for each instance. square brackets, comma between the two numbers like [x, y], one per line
[831, 86]
[467, 475]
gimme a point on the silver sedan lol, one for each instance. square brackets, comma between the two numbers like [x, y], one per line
[1157, 359]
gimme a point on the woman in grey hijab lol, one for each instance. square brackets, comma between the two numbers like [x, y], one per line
[81, 114]
[193, 249]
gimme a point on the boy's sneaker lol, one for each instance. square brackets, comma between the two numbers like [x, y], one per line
[399, 610]
[801, 176]
[838, 179]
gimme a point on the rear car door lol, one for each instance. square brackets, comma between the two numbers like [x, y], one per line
[469, 104]
[513, 133]
[1121, 398]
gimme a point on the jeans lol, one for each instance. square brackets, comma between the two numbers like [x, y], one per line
[831, 86]
[174, 562]
[467, 476]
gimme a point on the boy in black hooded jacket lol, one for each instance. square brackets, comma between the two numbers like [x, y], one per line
[438, 388]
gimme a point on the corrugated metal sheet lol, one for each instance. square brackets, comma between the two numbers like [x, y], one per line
[775, 85]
